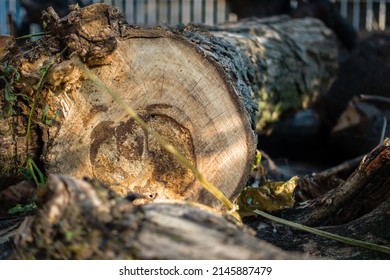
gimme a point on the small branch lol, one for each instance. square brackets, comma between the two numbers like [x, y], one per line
[375, 98]
[384, 128]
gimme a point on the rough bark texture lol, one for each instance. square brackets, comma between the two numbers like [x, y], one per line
[295, 62]
[81, 220]
[14, 150]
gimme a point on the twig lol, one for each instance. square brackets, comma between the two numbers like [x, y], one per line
[375, 98]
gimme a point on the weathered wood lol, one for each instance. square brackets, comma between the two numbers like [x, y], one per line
[14, 150]
[80, 220]
[175, 88]
[362, 126]
[361, 193]
[357, 208]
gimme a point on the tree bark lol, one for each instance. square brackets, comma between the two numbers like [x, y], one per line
[84, 220]
[295, 62]
[14, 148]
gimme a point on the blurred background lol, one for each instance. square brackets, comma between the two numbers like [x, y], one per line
[365, 15]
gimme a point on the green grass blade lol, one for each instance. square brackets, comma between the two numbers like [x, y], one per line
[347, 240]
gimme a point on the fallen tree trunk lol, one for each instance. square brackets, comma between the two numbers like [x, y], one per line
[175, 88]
[192, 87]
[359, 208]
[80, 220]
[72, 212]
[360, 194]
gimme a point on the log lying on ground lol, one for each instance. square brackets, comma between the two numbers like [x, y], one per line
[362, 125]
[73, 212]
[295, 62]
[191, 87]
[175, 88]
[361, 193]
[81, 220]
[359, 208]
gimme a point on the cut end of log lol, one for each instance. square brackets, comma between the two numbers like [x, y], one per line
[175, 88]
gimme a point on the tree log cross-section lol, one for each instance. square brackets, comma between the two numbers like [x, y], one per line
[196, 88]
[174, 87]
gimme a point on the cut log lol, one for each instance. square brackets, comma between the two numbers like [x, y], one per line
[176, 89]
[362, 125]
[80, 220]
[193, 87]
[359, 208]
